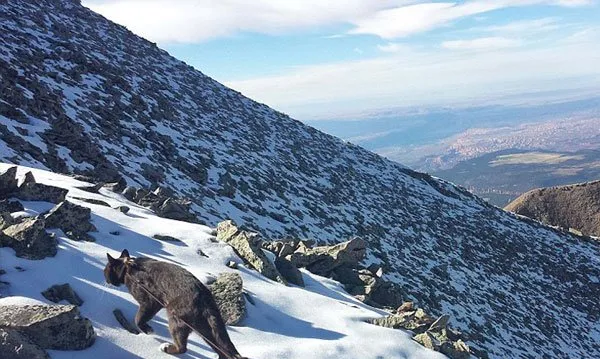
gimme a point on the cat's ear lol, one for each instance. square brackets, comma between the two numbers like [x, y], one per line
[111, 260]
[124, 254]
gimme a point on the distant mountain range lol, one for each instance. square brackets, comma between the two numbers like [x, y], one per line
[79, 94]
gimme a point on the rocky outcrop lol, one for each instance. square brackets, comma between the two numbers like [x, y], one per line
[59, 292]
[32, 191]
[10, 206]
[289, 271]
[72, 219]
[57, 327]
[229, 295]
[29, 239]
[162, 202]
[6, 220]
[573, 207]
[14, 345]
[247, 245]
[8, 182]
[324, 260]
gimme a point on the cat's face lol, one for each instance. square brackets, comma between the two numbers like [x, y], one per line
[114, 272]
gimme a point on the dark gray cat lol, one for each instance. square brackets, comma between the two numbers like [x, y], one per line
[189, 303]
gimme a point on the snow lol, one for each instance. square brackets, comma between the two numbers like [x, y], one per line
[318, 321]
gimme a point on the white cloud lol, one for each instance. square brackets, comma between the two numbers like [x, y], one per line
[482, 43]
[393, 47]
[200, 20]
[430, 77]
[524, 26]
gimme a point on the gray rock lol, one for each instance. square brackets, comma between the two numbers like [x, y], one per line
[92, 201]
[427, 340]
[176, 209]
[387, 294]
[92, 189]
[228, 293]
[6, 220]
[8, 182]
[247, 245]
[440, 324]
[14, 345]
[73, 219]
[123, 209]
[129, 192]
[161, 237]
[59, 292]
[118, 186]
[232, 265]
[58, 327]
[323, 260]
[30, 240]
[31, 191]
[289, 271]
[455, 350]
[28, 178]
[10, 206]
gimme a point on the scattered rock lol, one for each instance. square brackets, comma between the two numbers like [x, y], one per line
[123, 209]
[247, 245]
[176, 209]
[59, 292]
[161, 237]
[232, 265]
[456, 350]
[406, 307]
[92, 189]
[130, 193]
[201, 253]
[10, 206]
[73, 219]
[118, 186]
[14, 345]
[28, 178]
[29, 239]
[427, 340]
[93, 201]
[58, 327]
[289, 271]
[114, 233]
[440, 324]
[8, 182]
[228, 293]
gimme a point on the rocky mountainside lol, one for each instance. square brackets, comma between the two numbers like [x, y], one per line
[571, 207]
[81, 94]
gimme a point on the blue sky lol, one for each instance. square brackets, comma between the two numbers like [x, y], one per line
[328, 59]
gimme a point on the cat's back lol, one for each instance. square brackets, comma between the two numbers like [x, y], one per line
[168, 278]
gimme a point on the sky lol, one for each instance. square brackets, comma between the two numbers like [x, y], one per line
[316, 59]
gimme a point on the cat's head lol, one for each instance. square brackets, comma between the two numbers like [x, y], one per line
[114, 272]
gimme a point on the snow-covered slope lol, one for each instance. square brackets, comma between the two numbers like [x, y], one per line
[79, 93]
[318, 321]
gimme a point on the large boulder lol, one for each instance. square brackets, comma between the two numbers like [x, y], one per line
[15, 345]
[58, 327]
[176, 209]
[229, 295]
[10, 206]
[73, 219]
[324, 259]
[29, 239]
[247, 245]
[8, 182]
[59, 292]
[33, 191]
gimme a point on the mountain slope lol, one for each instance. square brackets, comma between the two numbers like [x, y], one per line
[279, 324]
[79, 93]
[573, 206]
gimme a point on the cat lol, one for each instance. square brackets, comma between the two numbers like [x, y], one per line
[188, 302]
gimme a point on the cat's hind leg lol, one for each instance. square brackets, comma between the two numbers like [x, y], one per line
[146, 312]
[180, 333]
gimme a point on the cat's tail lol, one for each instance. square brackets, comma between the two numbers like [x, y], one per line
[218, 331]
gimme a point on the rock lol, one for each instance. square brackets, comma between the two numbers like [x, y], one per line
[386, 294]
[406, 307]
[14, 345]
[92, 201]
[123, 209]
[30, 240]
[28, 178]
[31, 191]
[201, 253]
[427, 340]
[323, 260]
[6, 220]
[118, 186]
[161, 237]
[10, 206]
[176, 209]
[58, 327]
[228, 293]
[59, 292]
[92, 189]
[73, 219]
[455, 350]
[376, 270]
[289, 271]
[129, 192]
[114, 233]
[247, 246]
[232, 265]
[440, 324]
[8, 182]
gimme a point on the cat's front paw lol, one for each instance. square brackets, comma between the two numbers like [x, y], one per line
[170, 349]
[146, 329]
[164, 347]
